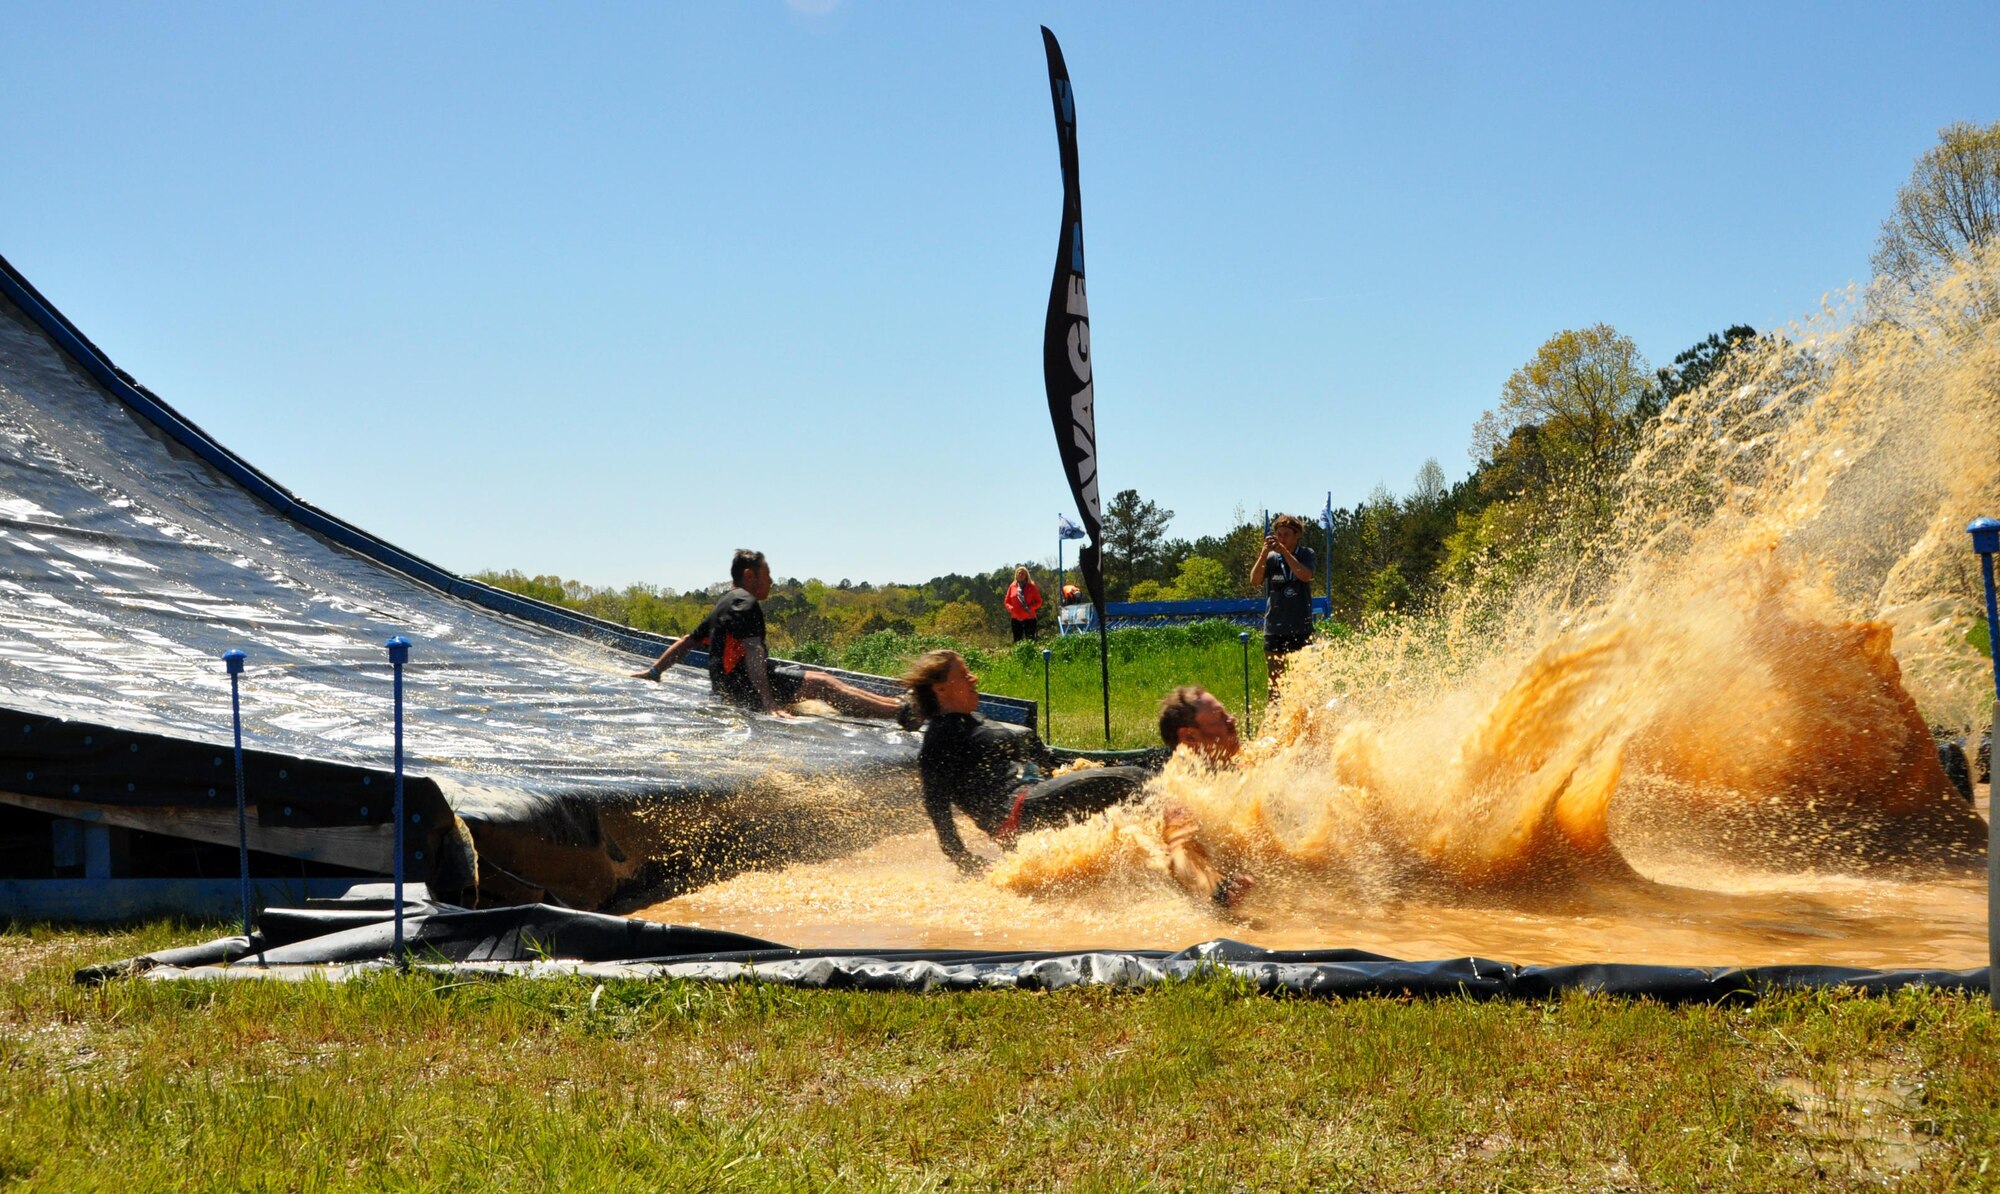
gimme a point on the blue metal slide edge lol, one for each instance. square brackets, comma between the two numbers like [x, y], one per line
[155, 410]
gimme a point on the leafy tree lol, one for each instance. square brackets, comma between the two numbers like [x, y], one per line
[1387, 590]
[1133, 531]
[1203, 579]
[1430, 489]
[959, 619]
[541, 588]
[1150, 590]
[1950, 205]
[1580, 391]
[1236, 551]
[1695, 367]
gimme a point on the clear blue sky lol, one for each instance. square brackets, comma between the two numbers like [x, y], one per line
[608, 290]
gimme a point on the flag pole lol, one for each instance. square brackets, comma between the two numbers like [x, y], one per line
[1104, 669]
[1326, 563]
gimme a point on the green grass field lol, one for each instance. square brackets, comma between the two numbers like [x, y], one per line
[1145, 666]
[420, 1083]
[1146, 663]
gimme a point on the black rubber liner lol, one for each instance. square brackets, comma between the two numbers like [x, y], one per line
[338, 936]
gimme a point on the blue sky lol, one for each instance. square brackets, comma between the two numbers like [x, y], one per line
[609, 290]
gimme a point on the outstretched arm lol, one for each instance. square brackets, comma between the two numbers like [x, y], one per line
[938, 805]
[671, 656]
[758, 661]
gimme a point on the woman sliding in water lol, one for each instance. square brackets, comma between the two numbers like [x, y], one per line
[982, 768]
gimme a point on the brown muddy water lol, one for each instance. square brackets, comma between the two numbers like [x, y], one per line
[901, 892]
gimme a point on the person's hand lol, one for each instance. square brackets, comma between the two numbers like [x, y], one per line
[1230, 891]
[1271, 544]
[782, 714]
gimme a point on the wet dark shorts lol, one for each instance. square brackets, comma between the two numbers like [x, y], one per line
[786, 681]
[1285, 644]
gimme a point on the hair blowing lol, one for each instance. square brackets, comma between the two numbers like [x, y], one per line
[929, 670]
[1178, 711]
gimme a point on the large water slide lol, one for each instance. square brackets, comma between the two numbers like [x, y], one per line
[135, 550]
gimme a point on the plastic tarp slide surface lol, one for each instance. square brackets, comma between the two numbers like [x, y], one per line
[338, 939]
[130, 562]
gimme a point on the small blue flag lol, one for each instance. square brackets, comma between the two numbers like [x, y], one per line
[1065, 529]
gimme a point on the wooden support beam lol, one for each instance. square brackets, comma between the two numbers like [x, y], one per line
[362, 847]
[134, 899]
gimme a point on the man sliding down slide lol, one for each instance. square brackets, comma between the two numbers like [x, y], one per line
[740, 668]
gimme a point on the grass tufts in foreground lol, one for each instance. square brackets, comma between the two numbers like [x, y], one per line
[420, 1082]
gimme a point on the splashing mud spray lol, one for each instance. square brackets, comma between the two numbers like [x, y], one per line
[1697, 732]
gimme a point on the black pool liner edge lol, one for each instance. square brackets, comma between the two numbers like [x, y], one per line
[340, 939]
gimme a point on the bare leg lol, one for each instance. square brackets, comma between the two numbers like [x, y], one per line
[859, 702]
[1274, 671]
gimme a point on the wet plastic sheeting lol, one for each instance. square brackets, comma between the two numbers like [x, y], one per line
[543, 941]
[129, 565]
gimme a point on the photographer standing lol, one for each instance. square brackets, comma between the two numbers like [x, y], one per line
[1285, 569]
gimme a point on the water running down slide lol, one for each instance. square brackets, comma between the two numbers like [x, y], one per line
[134, 551]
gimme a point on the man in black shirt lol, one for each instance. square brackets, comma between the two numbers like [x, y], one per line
[740, 669]
[1285, 570]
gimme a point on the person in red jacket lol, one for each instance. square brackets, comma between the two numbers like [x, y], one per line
[1024, 602]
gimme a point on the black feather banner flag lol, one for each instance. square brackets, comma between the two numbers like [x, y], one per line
[1066, 360]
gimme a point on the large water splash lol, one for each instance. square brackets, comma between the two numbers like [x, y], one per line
[1739, 660]
[1726, 683]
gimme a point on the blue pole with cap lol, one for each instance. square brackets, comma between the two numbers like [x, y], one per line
[232, 661]
[1985, 534]
[399, 654]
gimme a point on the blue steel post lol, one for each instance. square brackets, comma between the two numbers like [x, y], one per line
[1048, 711]
[1059, 584]
[1243, 636]
[1986, 540]
[399, 654]
[232, 660]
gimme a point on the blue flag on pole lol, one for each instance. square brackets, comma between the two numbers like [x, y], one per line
[1065, 529]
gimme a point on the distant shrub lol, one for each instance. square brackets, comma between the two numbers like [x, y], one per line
[959, 619]
[887, 652]
[1203, 579]
[1144, 642]
[812, 653]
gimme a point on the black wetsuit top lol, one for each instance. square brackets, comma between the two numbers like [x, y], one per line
[735, 620]
[975, 765]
